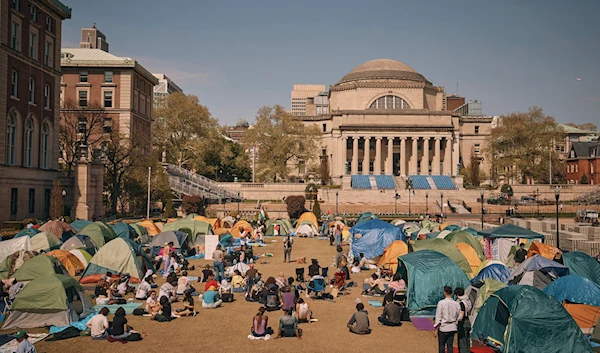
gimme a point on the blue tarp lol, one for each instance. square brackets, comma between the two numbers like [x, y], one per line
[80, 325]
[372, 237]
[29, 232]
[575, 289]
[498, 272]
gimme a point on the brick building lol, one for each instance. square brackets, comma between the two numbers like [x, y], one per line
[30, 40]
[584, 159]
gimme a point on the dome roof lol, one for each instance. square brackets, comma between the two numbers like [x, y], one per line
[383, 69]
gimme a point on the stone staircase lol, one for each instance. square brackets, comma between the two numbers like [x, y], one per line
[431, 183]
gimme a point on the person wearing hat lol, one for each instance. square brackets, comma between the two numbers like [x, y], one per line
[392, 314]
[210, 299]
[24, 345]
[218, 259]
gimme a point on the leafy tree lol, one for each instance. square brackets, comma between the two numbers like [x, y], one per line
[311, 191]
[317, 209]
[56, 200]
[295, 206]
[192, 204]
[584, 179]
[324, 170]
[135, 190]
[473, 174]
[169, 209]
[282, 140]
[507, 189]
[522, 144]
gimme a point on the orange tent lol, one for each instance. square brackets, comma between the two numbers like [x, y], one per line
[584, 315]
[389, 259]
[238, 226]
[215, 222]
[470, 254]
[545, 250]
[309, 216]
[70, 261]
[201, 218]
[150, 227]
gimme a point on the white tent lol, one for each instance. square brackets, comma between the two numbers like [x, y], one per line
[307, 229]
[10, 247]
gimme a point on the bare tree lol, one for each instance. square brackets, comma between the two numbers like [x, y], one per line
[56, 201]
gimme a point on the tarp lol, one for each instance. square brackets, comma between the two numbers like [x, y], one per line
[540, 268]
[99, 232]
[470, 254]
[150, 227]
[575, 289]
[510, 231]
[525, 320]
[10, 247]
[79, 224]
[365, 217]
[445, 248]
[45, 241]
[461, 236]
[578, 263]
[426, 273]
[372, 237]
[191, 227]
[71, 263]
[498, 272]
[61, 230]
[124, 230]
[118, 256]
[309, 216]
[26, 232]
[545, 250]
[80, 242]
[39, 266]
[390, 256]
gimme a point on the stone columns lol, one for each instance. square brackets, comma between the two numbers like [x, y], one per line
[377, 163]
[414, 156]
[366, 155]
[403, 156]
[389, 162]
[343, 154]
[354, 167]
[455, 156]
[448, 156]
[425, 159]
[435, 168]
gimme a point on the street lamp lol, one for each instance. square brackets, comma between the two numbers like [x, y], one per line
[537, 200]
[481, 197]
[426, 203]
[442, 205]
[409, 189]
[396, 197]
[64, 194]
[336, 201]
[557, 195]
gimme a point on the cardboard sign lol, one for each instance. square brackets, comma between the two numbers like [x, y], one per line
[210, 245]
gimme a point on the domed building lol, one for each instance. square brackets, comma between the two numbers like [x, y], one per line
[385, 118]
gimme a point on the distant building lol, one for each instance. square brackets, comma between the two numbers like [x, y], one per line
[299, 95]
[92, 38]
[165, 87]
[30, 41]
[574, 134]
[584, 159]
[318, 105]
[453, 102]
[237, 132]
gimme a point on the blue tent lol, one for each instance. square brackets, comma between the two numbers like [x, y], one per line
[499, 272]
[27, 232]
[79, 224]
[575, 289]
[124, 230]
[372, 237]
[365, 217]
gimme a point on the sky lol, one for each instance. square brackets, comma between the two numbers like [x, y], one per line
[237, 56]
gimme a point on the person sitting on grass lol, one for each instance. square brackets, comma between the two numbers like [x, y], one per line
[211, 282]
[98, 325]
[260, 324]
[392, 314]
[102, 287]
[288, 298]
[288, 326]
[237, 281]
[188, 309]
[359, 322]
[152, 304]
[303, 312]
[142, 291]
[210, 299]
[118, 330]
[183, 283]
[206, 272]
[166, 313]
[24, 345]
[167, 289]
[226, 291]
[123, 286]
[374, 285]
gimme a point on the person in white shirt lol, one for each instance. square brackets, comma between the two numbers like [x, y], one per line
[182, 283]
[168, 290]
[152, 305]
[143, 289]
[98, 325]
[446, 321]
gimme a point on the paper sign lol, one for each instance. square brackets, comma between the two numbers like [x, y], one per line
[210, 245]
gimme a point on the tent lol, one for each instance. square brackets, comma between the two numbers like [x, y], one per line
[498, 272]
[431, 226]
[191, 216]
[54, 300]
[441, 234]
[238, 226]
[486, 263]
[124, 230]
[410, 227]
[372, 237]
[397, 222]
[201, 219]
[578, 263]
[191, 227]
[80, 242]
[309, 216]
[524, 319]
[389, 259]
[150, 226]
[284, 227]
[79, 224]
[510, 231]
[426, 273]
[45, 241]
[306, 228]
[214, 222]
[39, 266]
[449, 227]
[99, 232]
[179, 240]
[118, 256]
[11, 246]
[365, 217]
[26, 232]
[537, 271]
[480, 292]
[159, 225]
[82, 255]
[445, 248]
[228, 222]
[545, 250]
[471, 231]
[71, 263]
[461, 236]
[580, 297]
[61, 230]
[139, 230]
[470, 254]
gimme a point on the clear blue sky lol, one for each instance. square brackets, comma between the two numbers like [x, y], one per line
[237, 56]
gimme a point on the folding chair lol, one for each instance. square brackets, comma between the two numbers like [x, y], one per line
[300, 274]
[324, 272]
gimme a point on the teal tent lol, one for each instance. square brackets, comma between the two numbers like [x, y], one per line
[79, 224]
[583, 265]
[510, 231]
[124, 230]
[444, 247]
[426, 272]
[365, 217]
[26, 232]
[522, 319]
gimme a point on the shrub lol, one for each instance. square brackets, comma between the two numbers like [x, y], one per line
[317, 209]
[192, 204]
[295, 206]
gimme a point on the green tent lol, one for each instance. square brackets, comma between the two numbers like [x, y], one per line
[583, 265]
[444, 247]
[431, 226]
[285, 227]
[124, 230]
[191, 216]
[365, 217]
[489, 287]
[119, 256]
[39, 266]
[139, 230]
[510, 231]
[99, 232]
[49, 300]
[194, 227]
[426, 272]
[79, 224]
[460, 236]
[45, 241]
[522, 319]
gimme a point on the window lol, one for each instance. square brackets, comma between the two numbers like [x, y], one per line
[15, 4]
[14, 198]
[142, 105]
[576, 168]
[83, 76]
[108, 99]
[47, 96]
[34, 13]
[301, 167]
[477, 148]
[107, 125]
[324, 127]
[108, 76]
[390, 102]
[31, 203]
[135, 101]
[14, 84]
[44, 151]
[14, 41]
[48, 54]
[48, 23]
[11, 139]
[32, 90]
[47, 193]
[476, 129]
[148, 107]
[83, 98]
[81, 125]
[28, 160]
[33, 46]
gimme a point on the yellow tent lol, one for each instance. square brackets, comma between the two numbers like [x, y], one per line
[444, 225]
[150, 227]
[238, 226]
[201, 218]
[470, 254]
[309, 216]
[389, 259]
[346, 235]
[70, 261]
[545, 250]
[215, 222]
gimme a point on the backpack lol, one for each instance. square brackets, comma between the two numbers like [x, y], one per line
[271, 302]
[139, 312]
[134, 336]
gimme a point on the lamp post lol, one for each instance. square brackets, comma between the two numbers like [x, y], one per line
[396, 197]
[64, 195]
[426, 203]
[409, 190]
[238, 200]
[537, 200]
[481, 197]
[557, 196]
[442, 205]
[336, 201]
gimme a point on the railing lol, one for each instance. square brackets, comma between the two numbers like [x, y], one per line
[186, 182]
[466, 207]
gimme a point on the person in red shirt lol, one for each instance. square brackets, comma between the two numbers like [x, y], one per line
[211, 283]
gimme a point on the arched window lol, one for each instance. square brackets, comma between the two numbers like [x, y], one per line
[44, 151]
[11, 139]
[28, 156]
[390, 103]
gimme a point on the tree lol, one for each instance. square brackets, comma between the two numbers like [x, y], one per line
[507, 189]
[324, 170]
[311, 191]
[295, 206]
[169, 209]
[522, 144]
[57, 207]
[473, 174]
[317, 209]
[79, 125]
[192, 204]
[281, 139]
[584, 179]
[135, 187]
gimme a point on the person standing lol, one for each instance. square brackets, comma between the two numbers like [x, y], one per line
[520, 254]
[218, 258]
[24, 345]
[287, 248]
[338, 235]
[464, 324]
[446, 321]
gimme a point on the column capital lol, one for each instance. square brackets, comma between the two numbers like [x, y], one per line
[378, 137]
[403, 138]
[437, 138]
[426, 138]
